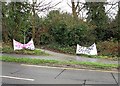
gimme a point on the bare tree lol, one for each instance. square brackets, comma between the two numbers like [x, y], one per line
[113, 8]
[37, 7]
[74, 8]
[77, 8]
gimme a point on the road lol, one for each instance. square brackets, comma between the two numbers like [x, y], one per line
[14, 73]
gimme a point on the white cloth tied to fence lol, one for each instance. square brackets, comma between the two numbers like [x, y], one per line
[92, 50]
[19, 46]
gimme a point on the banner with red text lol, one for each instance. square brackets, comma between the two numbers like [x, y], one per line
[19, 46]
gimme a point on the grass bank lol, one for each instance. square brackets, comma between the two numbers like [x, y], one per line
[72, 50]
[9, 49]
[73, 64]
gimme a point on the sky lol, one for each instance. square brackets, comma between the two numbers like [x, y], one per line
[64, 7]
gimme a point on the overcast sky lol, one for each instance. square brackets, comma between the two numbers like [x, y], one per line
[63, 6]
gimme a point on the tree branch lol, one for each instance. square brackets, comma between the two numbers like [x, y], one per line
[111, 7]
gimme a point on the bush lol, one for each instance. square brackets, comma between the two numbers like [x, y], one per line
[108, 48]
[45, 38]
[60, 33]
[68, 31]
[63, 49]
[80, 34]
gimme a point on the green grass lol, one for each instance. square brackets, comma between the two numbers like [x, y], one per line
[60, 63]
[59, 48]
[100, 56]
[9, 49]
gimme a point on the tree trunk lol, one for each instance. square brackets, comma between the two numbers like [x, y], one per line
[33, 20]
[74, 8]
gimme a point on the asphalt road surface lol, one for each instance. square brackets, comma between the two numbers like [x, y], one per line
[14, 73]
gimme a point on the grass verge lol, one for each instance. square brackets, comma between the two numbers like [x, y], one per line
[74, 64]
[99, 56]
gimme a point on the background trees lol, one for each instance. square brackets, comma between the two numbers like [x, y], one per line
[96, 15]
[15, 20]
[22, 19]
[66, 30]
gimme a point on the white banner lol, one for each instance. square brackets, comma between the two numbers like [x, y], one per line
[86, 50]
[19, 46]
[29, 45]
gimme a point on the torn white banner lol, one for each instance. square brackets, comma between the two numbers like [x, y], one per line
[29, 45]
[19, 46]
[86, 50]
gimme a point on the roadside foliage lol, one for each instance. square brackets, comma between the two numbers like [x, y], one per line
[60, 30]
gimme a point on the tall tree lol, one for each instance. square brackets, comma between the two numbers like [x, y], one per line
[16, 18]
[33, 18]
[39, 6]
[96, 15]
[74, 9]
[112, 31]
[118, 21]
[77, 8]
[0, 21]
[4, 29]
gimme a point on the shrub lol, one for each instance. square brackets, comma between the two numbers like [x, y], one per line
[60, 33]
[60, 48]
[45, 38]
[80, 34]
[108, 48]
[68, 31]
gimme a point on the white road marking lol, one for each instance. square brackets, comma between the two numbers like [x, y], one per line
[11, 77]
[67, 68]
